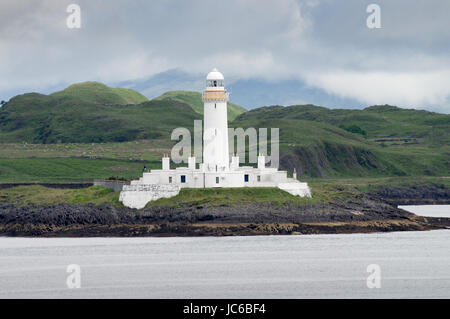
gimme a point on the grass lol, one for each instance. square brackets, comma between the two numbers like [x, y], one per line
[142, 150]
[323, 191]
[312, 141]
[366, 184]
[376, 121]
[248, 195]
[99, 93]
[47, 119]
[17, 170]
[40, 195]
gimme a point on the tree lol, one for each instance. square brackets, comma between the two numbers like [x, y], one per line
[3, 102]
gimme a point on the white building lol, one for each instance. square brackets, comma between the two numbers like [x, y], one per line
[216, 169]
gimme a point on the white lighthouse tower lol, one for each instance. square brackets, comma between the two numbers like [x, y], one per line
[215, 135]
[216, 170]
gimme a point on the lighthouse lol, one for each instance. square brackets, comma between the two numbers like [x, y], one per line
[215, 134]
[216, 169]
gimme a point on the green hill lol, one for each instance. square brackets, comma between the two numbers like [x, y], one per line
[194, 99]
[376, 141]
[318, 142]
[381, 121]
[99, 93]
[87, 113]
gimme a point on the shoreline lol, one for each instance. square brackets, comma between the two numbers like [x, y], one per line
[358, 213]
[208, 230]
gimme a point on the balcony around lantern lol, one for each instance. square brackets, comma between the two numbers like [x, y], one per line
[215, 96]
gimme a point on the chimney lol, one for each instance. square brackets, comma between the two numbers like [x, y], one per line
[235, 161]
[166, 163]
[191, 162]
[261, 161]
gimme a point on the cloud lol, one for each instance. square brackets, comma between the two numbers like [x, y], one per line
[401, 89]
[324, 43]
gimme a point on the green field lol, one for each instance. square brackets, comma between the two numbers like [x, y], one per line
[40, 195]
[142, 150]
[19, 170]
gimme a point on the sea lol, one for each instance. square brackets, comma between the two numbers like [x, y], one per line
[376, 265]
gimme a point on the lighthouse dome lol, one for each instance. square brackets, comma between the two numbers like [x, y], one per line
[214, 80]
[214, 75]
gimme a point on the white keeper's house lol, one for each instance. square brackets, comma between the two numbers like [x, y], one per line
[217, 170]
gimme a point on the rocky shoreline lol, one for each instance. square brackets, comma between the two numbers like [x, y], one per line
[430, 194]
[357, 214]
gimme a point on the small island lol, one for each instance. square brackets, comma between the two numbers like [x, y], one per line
[352, 167]
[53, 211]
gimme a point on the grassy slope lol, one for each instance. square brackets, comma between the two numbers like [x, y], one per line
[194, 99]
[40, 195]
[37, 118]
[96, 92]
[312, 141]
[382, 121]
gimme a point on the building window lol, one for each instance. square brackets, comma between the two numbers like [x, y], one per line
[258, 178]
[217, 180]
[170, 179]
[246, 178]
[183, 178]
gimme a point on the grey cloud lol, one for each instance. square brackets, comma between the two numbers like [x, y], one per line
[308, 41]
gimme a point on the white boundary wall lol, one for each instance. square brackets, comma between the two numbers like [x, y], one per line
[138, 195]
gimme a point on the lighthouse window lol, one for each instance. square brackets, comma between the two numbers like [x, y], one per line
[183, 178]
[215, 105]
[259, 178]
[170, 179]
[217, 180]
[246, 178]
[214, 83]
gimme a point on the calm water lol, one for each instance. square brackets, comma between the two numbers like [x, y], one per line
[428, 210]
[413, 264]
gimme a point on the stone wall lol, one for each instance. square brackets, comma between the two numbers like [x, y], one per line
[49, 185]
[115, 185]
[296, 188]
[137, 196]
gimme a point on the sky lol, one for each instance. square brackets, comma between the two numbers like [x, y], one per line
[323, 47]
